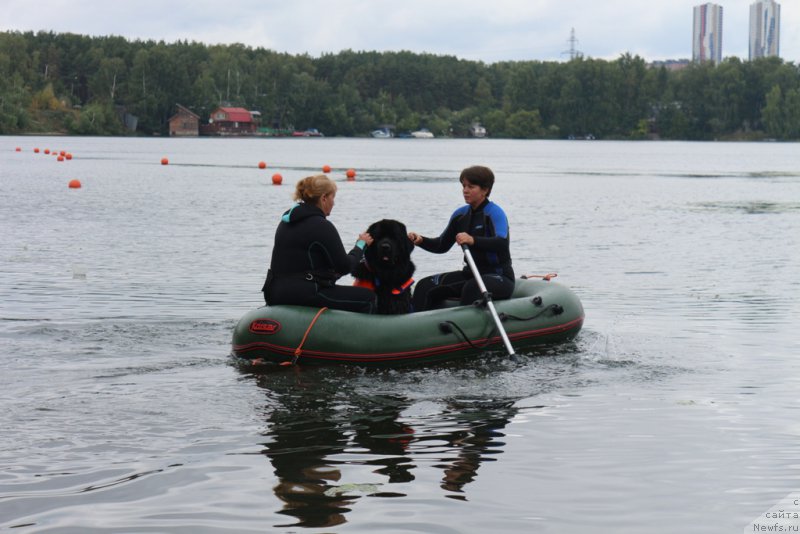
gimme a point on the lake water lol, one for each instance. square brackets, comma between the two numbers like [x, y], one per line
[675, 410]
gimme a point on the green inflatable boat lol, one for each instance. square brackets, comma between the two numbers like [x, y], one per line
[539, 312]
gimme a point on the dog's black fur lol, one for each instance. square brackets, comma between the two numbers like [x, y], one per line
[387, 266]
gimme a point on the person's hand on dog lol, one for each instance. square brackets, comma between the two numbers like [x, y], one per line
[463, 238]
[365, 237]
[414, 238]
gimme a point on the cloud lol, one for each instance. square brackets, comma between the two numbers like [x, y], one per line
[490, 31]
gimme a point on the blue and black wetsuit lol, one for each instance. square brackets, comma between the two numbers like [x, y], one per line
[307, 259]
[488, 225]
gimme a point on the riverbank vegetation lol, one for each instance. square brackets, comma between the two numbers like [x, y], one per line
[67, 83]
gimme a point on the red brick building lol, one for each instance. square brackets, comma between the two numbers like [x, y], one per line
[184, 123]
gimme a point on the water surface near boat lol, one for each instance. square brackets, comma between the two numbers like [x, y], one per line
[673, 410]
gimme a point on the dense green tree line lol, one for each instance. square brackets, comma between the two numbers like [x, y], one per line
[79, 84]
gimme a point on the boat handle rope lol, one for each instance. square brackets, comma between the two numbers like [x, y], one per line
[299, 350]
[447, 327]
[545, 277]
[557, 309]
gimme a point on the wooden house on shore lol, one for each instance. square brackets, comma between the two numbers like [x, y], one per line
[184, 123]
[230, 121]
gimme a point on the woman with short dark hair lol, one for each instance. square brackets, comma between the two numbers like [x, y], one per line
[482, 225]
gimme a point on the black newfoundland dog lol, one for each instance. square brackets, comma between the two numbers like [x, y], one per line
[387, 267]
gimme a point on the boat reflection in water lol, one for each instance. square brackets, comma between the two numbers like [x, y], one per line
[321, 433]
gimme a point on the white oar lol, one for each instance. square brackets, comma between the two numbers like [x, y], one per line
[488, 298]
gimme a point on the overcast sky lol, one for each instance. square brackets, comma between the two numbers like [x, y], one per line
[486, 30]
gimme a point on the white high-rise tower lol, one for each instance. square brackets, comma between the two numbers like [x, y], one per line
[707, 34]
[765, 29]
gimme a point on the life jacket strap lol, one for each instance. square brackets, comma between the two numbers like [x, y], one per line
[403, 287]
[360, 282]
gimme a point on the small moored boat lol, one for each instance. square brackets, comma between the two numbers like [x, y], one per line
[539, 312]
[422, 133]
[382, 133]
[477, 130]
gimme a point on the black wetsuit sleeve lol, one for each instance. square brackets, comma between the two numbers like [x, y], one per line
[341, 261]
[443, 243]
[354, 257]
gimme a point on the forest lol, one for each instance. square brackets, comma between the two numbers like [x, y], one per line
[82, 85]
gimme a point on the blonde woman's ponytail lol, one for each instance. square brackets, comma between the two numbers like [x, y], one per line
[311, 188]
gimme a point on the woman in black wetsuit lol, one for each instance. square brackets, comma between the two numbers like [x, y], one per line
[483, 226]
[308, 256]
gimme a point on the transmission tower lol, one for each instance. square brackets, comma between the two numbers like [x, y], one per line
[573, 52]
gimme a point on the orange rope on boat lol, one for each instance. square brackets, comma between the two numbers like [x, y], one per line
[299, 350]
[545, 277]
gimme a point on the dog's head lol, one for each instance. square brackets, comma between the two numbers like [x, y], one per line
[390, 244]
[387, 264]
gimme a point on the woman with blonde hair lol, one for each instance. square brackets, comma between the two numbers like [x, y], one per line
[308, 256]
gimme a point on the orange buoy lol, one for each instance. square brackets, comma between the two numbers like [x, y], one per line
[277, 179]
[351, 175]
[262, 165]
[326, 169]
[35, 150]
[60, 158]
[62, 153]
[68, 156]
[19, 149]
[74, 184]
[164, 161]
[46, 150]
